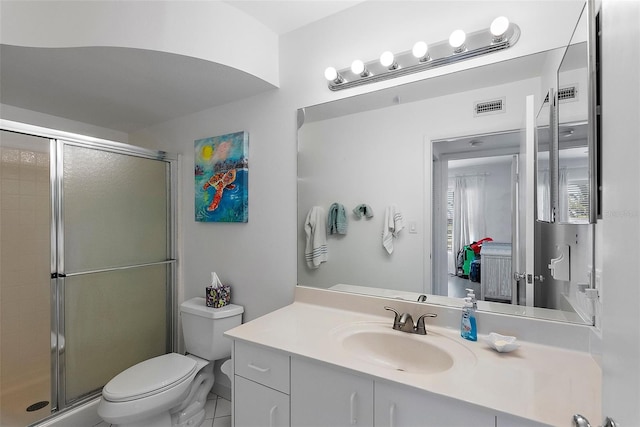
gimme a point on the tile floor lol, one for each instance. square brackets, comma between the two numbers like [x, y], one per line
[217, 413]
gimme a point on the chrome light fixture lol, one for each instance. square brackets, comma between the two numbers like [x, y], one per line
[460, 46]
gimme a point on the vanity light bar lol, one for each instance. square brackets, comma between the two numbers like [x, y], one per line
[459, 48]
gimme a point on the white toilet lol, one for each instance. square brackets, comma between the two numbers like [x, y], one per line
[171, 390]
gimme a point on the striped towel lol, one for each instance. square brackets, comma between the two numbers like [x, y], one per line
[315, 251]
[393, 224]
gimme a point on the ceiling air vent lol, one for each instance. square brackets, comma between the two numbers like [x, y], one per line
[489, 107]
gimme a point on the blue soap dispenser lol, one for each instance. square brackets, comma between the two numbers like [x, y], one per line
[468, 328]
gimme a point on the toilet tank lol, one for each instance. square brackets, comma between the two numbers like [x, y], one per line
[203, 328]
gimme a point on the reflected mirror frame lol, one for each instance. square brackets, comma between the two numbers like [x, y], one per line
[537, 150]
[593, 114]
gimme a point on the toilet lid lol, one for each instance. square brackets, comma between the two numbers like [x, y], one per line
[149, 377]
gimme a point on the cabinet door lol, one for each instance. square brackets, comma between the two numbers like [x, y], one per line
[399, 406]
[323, 396]
[259, 406]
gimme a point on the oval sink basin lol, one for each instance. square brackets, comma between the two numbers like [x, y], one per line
[381, 345]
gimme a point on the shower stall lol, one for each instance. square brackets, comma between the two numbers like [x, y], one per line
[87, 266]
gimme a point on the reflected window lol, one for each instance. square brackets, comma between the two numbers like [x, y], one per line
[578, 201]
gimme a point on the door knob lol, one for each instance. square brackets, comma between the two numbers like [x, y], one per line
[519, 276]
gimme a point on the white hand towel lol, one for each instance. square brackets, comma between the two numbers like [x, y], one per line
[393, 224]
[315, 251]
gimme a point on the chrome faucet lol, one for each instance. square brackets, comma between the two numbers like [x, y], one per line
[422, 298]
[404, 322]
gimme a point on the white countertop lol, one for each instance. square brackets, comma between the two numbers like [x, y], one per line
[538, 382]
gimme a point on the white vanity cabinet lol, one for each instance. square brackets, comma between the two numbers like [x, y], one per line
[257, 405]
[322, 395]
[272, 389]
[261, 387]
[401, 406]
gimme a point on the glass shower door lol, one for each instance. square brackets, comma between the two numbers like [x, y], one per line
[25, 268]
[114, 268]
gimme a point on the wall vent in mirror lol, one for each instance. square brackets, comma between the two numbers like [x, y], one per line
[501, 35]
[489, 107]
[569, 93]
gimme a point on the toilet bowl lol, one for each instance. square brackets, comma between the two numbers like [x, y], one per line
[171, 390]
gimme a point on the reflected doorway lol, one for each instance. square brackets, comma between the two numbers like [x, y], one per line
[476, 215]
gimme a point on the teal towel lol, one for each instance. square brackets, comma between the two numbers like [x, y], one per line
[337, 220]
[363, 210]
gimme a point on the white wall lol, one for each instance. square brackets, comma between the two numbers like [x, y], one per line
[620, 226]
[378, 157]
[209, 30]
[259, 258]
[15, 114]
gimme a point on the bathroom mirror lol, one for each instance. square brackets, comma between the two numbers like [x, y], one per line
[376, 153]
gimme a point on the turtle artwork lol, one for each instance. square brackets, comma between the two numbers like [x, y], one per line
[221, 178]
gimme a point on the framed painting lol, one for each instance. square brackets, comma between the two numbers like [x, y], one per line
[221, 178]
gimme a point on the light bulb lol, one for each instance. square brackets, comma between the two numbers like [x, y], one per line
[456, 40]
[387, 59]
[330, 74]
[357, 67]
[420, 49]
[499, 26]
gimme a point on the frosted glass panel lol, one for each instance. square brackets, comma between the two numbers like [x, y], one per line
[117, 205]
[25, 272]
[113, 320]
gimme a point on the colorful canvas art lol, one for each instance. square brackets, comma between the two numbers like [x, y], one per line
[221, 178]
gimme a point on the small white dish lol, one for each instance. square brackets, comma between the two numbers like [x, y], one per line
[501, 343]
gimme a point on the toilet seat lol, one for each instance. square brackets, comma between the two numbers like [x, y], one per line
[150, 377]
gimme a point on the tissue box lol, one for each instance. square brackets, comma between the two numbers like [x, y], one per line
[218, 296]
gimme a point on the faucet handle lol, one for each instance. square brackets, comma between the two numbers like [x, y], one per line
[396, 320]
[420, 329]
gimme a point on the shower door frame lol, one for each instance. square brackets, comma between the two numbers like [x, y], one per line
[57, 140]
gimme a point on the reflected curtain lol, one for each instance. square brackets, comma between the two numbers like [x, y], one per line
[468, 211]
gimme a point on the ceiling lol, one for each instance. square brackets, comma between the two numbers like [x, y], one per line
[130, 89]
[284, 16]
